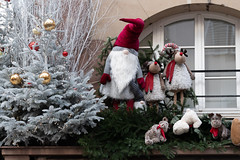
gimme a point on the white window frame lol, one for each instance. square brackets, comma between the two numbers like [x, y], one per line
[157, 29]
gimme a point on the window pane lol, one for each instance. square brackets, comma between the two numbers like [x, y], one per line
[218, 33]
[221, 87]
[145, 41]
[190, 59]
[220, 59]
[190, 62]
[181, 33]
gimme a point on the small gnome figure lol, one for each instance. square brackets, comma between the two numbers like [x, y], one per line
[154, 89]
[218, 130]
[122, 78]
[179, 76]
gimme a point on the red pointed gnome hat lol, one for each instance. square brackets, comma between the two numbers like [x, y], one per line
[129, 36]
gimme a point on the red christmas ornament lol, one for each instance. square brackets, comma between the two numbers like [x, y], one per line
[31, 46]
[65, 53]
[7, 0]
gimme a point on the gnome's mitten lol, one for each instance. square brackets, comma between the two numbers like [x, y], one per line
[105, 77]
[141, 82]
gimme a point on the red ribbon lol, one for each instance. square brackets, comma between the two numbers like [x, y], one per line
[162, 132]
[149, 82]
[214, 131]
[170, 70]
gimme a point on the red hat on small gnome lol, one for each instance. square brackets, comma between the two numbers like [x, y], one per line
[129, 36]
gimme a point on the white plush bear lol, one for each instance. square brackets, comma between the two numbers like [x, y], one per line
[189, 118]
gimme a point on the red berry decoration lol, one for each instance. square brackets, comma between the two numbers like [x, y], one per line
[7, 0]
[31, 46]
[65, 53]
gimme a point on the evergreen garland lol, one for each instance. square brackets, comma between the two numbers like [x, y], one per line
[121, 136]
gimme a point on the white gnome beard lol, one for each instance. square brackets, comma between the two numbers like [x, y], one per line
[124, 68]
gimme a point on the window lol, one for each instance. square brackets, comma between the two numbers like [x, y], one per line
[219, 46]
[212, 41]
[182, 34]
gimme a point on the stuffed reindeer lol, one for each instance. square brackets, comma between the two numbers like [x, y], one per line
[179, 77]
[155, 88]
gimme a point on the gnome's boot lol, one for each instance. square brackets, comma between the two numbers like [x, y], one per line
[130, 104]
[116, 104]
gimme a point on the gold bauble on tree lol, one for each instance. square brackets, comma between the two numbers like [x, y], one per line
[46, 76]
[15, 79]
[36, 31]
[49, 24]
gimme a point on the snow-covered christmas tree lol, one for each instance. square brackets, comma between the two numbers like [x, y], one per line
[44, 93]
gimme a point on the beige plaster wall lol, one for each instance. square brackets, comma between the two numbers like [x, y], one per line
[153, 10]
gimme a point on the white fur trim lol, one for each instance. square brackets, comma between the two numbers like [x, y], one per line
[181, 79]
[110, 90]
[157, 92]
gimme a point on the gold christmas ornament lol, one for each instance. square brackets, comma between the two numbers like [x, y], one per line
[36, 31]
[15, 79]
[49, 24]
[46, 76]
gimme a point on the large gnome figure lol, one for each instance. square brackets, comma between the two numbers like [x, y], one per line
[122, 77]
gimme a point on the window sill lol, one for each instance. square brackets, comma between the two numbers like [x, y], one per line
[75, 152]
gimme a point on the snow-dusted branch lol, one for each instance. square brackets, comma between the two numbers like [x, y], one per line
[77, 18]
[80, 24]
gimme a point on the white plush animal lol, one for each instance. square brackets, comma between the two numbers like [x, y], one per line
[157, 132]
[179, 77]
[154, 90]
[189, 118]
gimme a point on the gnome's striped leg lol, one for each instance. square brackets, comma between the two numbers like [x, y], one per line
[138, 94]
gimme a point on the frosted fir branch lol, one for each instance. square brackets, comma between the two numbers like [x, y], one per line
[67, 104]
[79, 30]
[17, 131]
